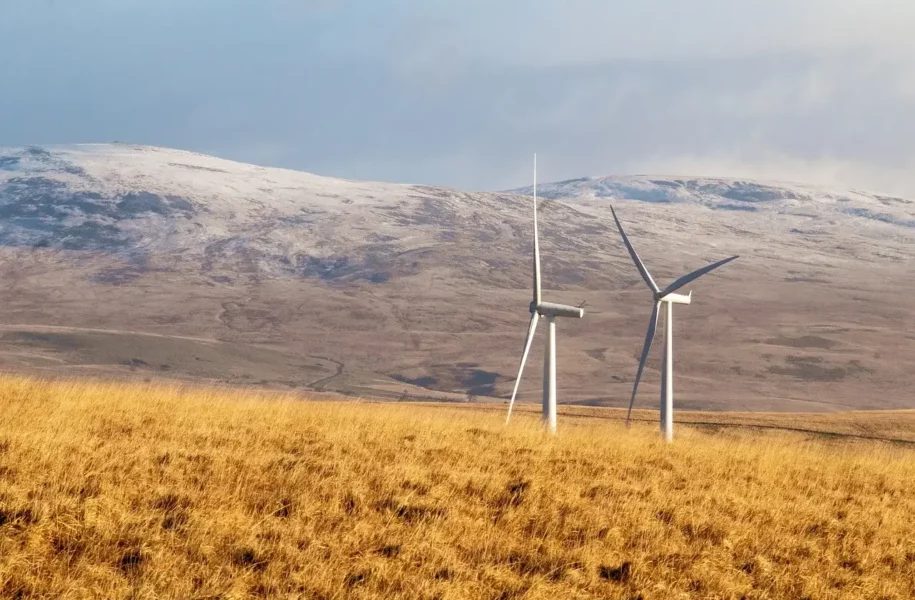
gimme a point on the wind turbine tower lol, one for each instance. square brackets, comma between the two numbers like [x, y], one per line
[550, 311]
[668, 298]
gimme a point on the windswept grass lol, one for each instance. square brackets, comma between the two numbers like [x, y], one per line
[131, 491]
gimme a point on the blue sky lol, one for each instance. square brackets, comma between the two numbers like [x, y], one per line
[462, 93]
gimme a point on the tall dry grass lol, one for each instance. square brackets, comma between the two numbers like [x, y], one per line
[131, 491]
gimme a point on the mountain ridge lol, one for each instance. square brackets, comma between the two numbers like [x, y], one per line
[413, 285]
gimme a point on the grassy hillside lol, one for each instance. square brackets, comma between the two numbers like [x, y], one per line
[132, 491]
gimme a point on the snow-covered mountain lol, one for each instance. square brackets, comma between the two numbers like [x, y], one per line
[143, 202]
[736, 194]
[429, 286]
[231, 219]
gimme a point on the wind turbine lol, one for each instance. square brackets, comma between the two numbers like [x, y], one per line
[549, 310]
[668, 297]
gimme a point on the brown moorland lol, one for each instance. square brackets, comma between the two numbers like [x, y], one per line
[167, 491]
[119, 260]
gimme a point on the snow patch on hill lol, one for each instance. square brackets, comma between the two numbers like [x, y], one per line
[735, 195]
[171, 209]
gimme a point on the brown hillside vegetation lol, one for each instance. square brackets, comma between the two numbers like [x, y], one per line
[139, 491]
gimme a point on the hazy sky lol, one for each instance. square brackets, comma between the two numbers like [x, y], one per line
[462, 93]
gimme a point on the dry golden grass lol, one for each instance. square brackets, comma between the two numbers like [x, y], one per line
[874, 425]
[133, 491]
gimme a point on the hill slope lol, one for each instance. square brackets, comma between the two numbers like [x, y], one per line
[380, 288]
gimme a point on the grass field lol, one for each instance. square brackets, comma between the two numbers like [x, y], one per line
[140, 491]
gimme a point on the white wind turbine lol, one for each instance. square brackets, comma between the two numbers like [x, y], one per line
[549, 310]
[668, 297]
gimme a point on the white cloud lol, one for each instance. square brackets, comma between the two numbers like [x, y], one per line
[551, 32]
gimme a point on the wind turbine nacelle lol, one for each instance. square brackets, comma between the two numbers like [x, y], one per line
[677, 298]
[548, 309]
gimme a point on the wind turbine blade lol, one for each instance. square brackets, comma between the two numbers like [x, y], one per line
[527, 348]
[694, 275]
[649, 337]
[635, 257]
[536, 242]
